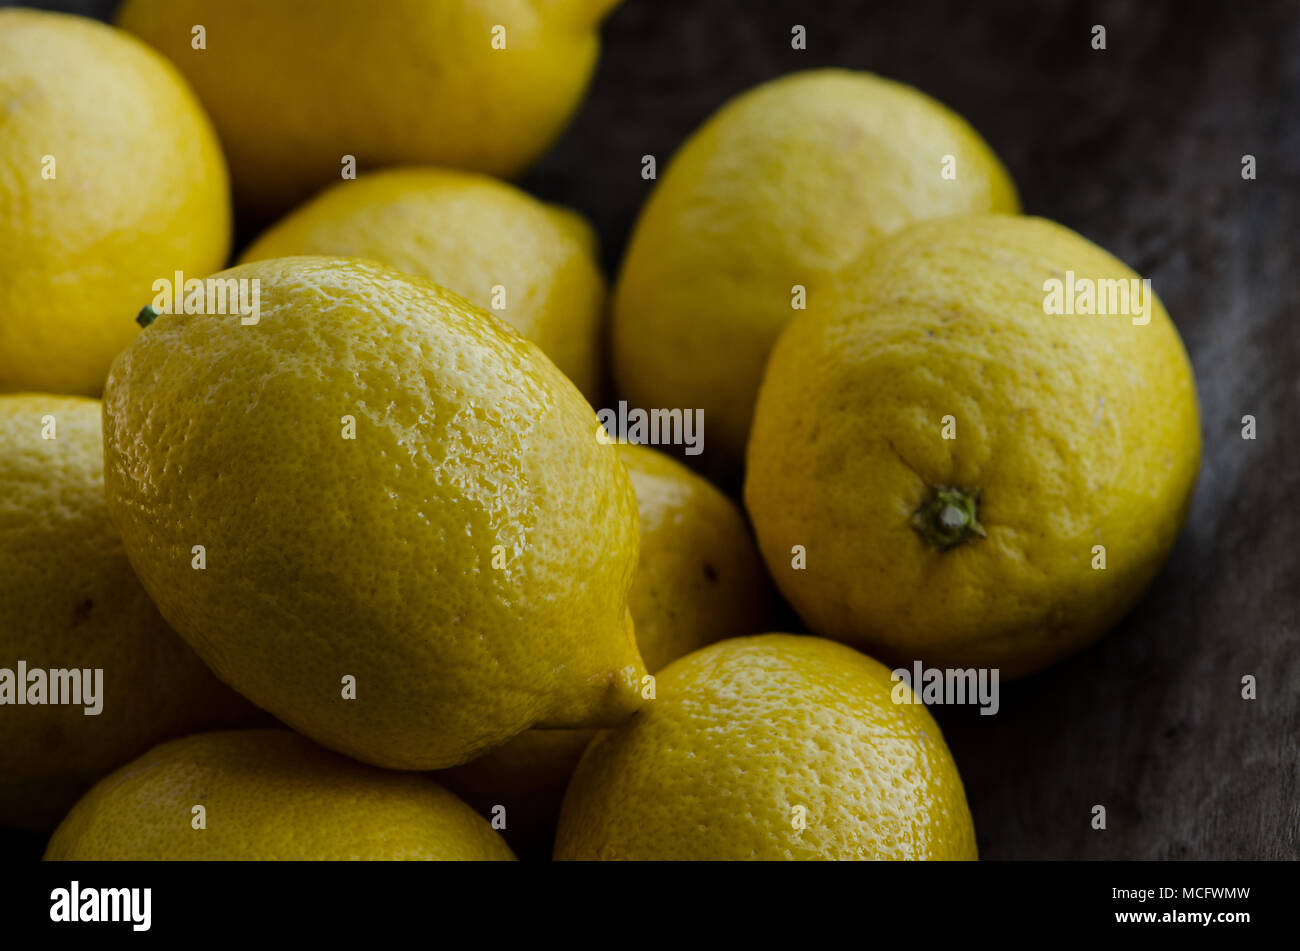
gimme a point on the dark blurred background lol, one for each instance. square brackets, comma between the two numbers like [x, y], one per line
[1139, 148]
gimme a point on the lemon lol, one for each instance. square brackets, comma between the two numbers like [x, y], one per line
[297, 88]
[769, 747]
[378, 512]
[533, 264]
[699, 579]
[110, 179]
[755, 214]
[268, 795]
[967, 478]
[69, 602]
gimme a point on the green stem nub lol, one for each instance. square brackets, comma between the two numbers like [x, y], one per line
[949, 518]
[148, 314]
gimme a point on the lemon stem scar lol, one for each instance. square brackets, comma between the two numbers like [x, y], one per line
[147, 315]
[949, 517]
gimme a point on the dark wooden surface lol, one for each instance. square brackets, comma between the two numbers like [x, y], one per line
[1138, 148]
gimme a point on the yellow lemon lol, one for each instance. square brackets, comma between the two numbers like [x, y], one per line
[699, 579]
[972, 478]
[769, 747]
[758, 211]
[298, 88]
[268, 795]
[110, 179]
[533, 264]
[378, 512]
[90, 674]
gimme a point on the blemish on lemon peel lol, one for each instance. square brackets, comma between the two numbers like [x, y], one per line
[949, 517]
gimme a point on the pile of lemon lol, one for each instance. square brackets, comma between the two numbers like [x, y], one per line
[336, 537]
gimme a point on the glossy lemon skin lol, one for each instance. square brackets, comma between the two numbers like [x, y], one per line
[769, 747]
[268, 795]
[532, 264]
[699, 579]
[454, 574]
[1079, 433]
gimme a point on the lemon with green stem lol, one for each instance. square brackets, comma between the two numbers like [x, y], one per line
[378, 512]
[973, 479]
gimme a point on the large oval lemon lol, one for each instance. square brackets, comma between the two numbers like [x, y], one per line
[378, 512]
[296, 89]
[699, 579]
[755, 215]
[70, 603]
[943, 469]
[533, 264]
[769, 747]
[268, 795]
[110, 179]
